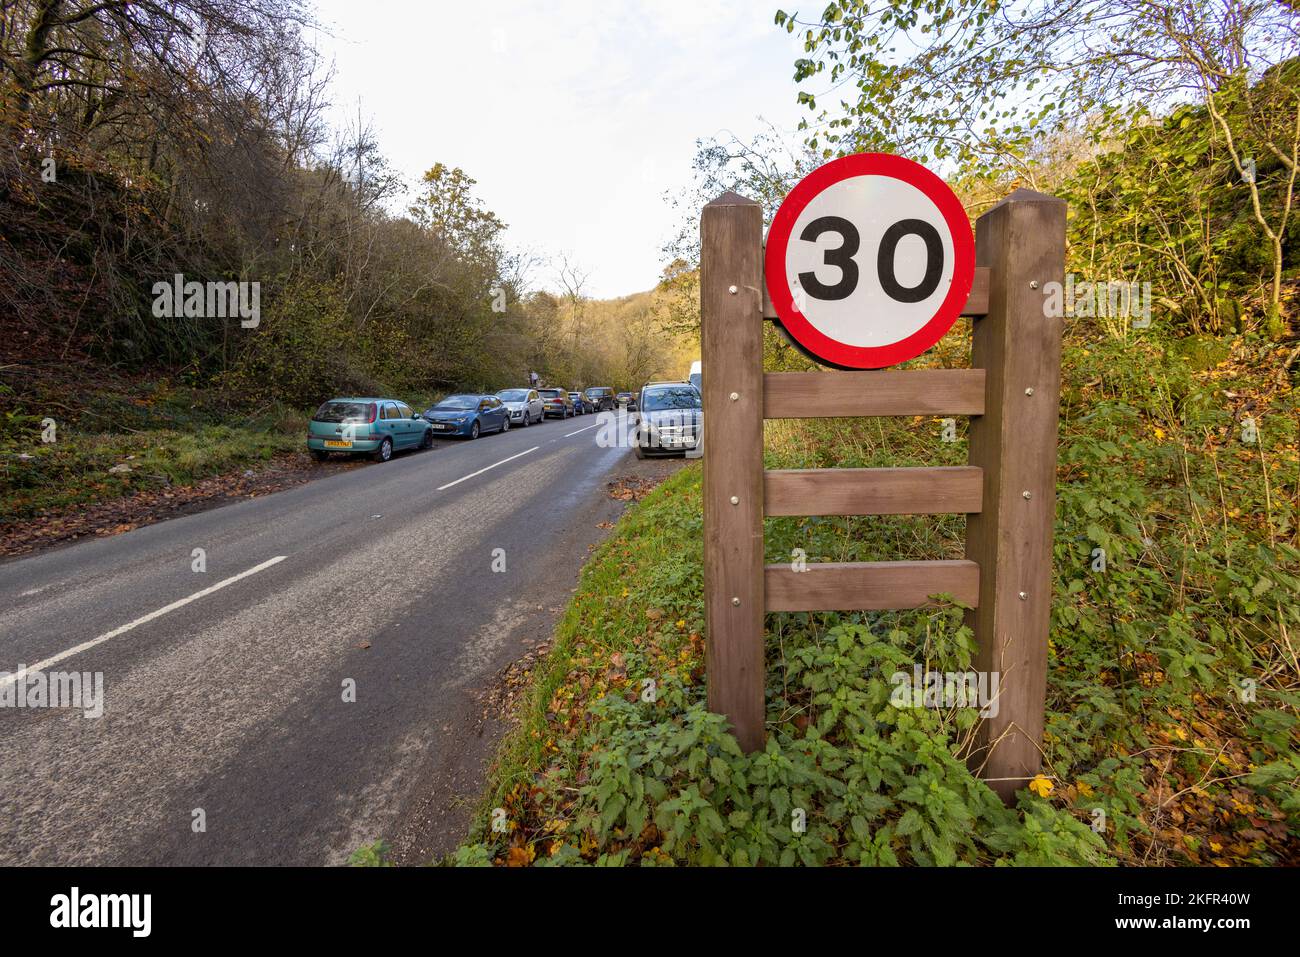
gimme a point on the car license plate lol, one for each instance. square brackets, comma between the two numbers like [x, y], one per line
[443, 428]
[338, 444]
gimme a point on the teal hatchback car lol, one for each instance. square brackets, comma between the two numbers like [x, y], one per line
[374, 427]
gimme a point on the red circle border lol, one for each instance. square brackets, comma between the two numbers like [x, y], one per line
[805, 334]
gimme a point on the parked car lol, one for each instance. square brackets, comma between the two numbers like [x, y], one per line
[671, 419]
[557, 402]
[524, 405]
[627, 399]
[374, 427]
[600, 398]
[468, 415]
[580, 406]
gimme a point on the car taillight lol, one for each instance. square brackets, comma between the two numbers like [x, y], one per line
[374, 412]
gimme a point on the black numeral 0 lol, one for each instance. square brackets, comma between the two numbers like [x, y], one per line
[933, 260]
[841, 257]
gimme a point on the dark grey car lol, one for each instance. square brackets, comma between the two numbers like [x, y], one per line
[600, 398]
[556, 402]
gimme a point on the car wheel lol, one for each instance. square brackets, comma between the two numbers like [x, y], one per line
[474, 430]
[505, 424]
[385, 450]
[319, 455]
[427, 441]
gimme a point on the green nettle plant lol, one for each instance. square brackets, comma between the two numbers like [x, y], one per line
[864, 782]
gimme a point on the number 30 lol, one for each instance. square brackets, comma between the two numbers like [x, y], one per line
[842, 258]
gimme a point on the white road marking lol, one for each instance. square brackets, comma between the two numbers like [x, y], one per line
[490, 467]
[42, 665]
[582, 430]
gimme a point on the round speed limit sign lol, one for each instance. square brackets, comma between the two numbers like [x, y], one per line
[869, 261]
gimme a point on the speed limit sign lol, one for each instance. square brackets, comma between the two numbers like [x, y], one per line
[869, 261]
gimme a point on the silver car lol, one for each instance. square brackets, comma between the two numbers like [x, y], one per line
[525, 405]
[670, 420]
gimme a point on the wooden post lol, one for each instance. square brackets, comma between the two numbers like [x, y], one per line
[731, 350]
[1022, 241]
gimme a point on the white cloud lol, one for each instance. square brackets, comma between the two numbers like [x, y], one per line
[575, 117]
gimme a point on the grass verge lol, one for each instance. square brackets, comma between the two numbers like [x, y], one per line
[1172, 714]
[65, 445]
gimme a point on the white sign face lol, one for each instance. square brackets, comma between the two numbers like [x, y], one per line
[835, 257]
[869, 261]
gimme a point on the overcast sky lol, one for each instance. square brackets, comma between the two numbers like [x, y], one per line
[575, 116]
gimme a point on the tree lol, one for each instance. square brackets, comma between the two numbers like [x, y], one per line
[978, 81]
[572, 278]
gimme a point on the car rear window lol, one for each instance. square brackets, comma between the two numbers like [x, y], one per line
[600, 392]
[552, 393]
[343, 412]
[681, 397]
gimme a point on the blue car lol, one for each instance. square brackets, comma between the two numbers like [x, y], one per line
[468, 415]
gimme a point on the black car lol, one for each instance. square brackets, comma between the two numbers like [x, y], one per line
[600, 398]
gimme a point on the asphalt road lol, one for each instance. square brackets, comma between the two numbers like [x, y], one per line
[232, 704]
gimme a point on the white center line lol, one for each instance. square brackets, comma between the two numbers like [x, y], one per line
[42, 665]
[582, 430]
[492, 466]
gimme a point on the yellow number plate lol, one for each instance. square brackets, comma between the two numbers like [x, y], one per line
[335, 444]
